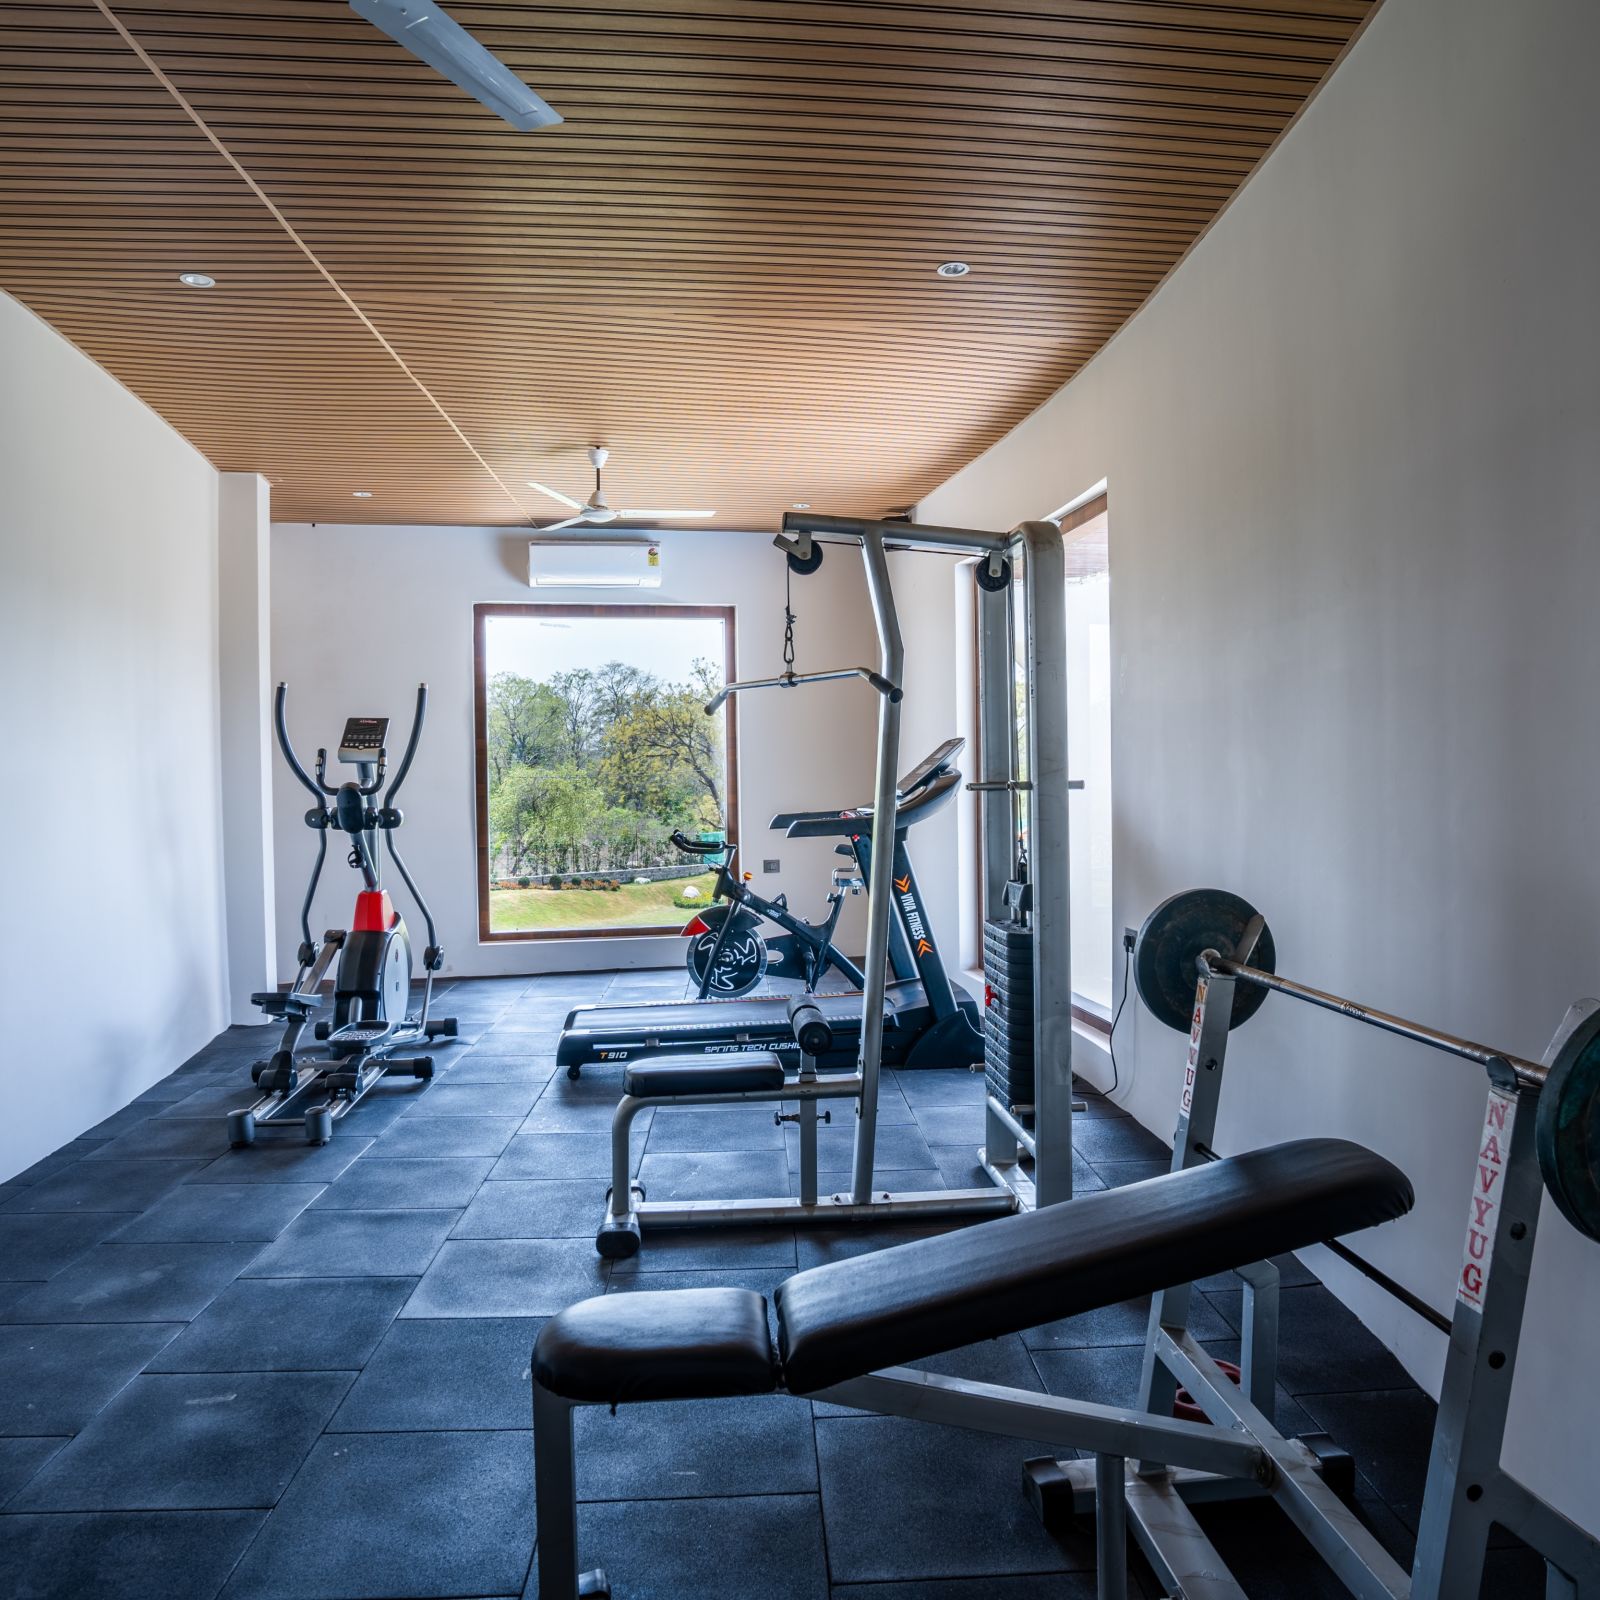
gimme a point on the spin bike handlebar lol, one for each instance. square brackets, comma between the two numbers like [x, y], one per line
[697, 847]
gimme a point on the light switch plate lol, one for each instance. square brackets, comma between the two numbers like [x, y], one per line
[769, 866]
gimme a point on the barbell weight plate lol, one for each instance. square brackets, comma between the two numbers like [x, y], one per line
[1567, 1128]
[1170, 943]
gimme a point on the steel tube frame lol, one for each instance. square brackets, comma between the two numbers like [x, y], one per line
[1531, 1073]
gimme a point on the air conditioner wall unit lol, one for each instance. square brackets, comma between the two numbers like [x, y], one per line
[586, 563]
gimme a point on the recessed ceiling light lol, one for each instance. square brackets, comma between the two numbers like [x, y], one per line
[952, 269]
[362, 494]
[801, 505]
[197, 280]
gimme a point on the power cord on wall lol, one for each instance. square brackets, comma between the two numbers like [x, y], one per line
[1111, 1038]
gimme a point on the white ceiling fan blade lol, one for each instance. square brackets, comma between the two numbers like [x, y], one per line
[668, 516]
[571, 522]
[433, 36]
[555, 494]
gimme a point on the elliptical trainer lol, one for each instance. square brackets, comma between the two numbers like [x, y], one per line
[372, 988]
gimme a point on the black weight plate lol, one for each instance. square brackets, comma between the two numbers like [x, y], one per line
[1567, 1128]
[1170, 942]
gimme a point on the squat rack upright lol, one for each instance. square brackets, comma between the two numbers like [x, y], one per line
[1039, 549]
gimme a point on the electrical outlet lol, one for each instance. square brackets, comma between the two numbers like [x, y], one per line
[1130, 937]
[769, 866]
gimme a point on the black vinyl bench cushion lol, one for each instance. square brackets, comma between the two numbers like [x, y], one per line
[660, 1344]
[669, 1075]
[853, 1317]
[917, 1300]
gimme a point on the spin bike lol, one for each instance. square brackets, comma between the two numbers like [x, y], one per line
[728, 954]
[372, 987]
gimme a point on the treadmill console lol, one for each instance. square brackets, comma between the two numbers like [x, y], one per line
[363, 738]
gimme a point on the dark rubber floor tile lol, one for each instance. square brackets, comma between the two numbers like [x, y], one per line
[518, 1209]
[221, 1213]
[708, 1249]
[190, 1443]
[20, 1459]
[696, 1448]
[166, 1139]
[675, 1130]
[1389, 1432]
[459, 1099]
[961, 1124]
[817, 1246]
[885, 1180]
[57, 1161]
[441, 1184]
[288, 1325]
[889, 1488]
[418, 1514]
[37, 1245]
[478, 1377]
[431, 1137]
[1115, 1174]
[896, 1148]
[1035, 1586]
[287, 1158]
[234, 1092]
[1322, 1347]
[182, 1555]
[53, 1380]
[1125, 1323]
[715, 1175]
[1000, 1361]
[133, 1115]
[117, 1282]
[356, 1244]
[480, 1067]
[507, 1278]
[763, 1280]
[104, 1186]
[1117, 1139]
[555, 1157]
[939, 1086]
[763, 1545]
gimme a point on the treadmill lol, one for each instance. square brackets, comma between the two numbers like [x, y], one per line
[929, 1019]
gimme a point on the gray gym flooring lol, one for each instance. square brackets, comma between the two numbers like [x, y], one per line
[296, 1372]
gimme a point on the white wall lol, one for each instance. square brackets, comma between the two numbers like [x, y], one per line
[361, 615]
[112, 939]
[1354, 477]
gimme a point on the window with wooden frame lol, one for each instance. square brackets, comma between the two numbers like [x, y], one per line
[592, 748]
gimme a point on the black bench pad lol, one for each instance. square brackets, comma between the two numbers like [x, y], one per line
[918, 1300]
[669, 1075]
[664, 1344]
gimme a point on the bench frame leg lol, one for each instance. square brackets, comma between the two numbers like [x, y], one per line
[555, 1487]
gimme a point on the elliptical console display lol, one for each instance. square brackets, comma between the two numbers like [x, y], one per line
[372, 985]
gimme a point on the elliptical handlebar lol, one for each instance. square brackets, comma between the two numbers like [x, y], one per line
[279, 700]
[411, 745]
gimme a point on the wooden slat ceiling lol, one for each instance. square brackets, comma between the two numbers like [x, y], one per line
[721, 265]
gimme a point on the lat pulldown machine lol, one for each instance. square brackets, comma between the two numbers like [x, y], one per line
[752, 1074]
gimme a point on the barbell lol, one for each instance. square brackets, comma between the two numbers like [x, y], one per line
[1211, 933]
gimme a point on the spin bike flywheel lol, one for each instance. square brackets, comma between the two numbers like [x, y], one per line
[743, 960]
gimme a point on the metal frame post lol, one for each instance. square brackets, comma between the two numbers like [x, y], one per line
[1050, 857]
[880, 886]
[997, 807]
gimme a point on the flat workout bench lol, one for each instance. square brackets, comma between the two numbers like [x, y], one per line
[840, 1326]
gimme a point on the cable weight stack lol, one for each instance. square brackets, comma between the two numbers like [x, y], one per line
[1008, 1011]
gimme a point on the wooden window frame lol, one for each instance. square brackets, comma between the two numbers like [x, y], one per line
[480, 748]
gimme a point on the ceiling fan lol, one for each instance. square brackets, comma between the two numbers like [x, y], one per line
[433, 36]
[595, 512]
